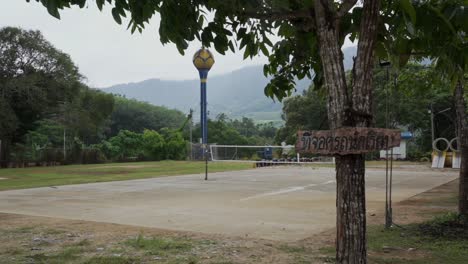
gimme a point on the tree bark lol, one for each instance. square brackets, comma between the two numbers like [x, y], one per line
[462, 134]
[351, 244]
[4, 153]
[348, 106]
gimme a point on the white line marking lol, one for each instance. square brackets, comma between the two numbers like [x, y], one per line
[286, 190]
[328, 182]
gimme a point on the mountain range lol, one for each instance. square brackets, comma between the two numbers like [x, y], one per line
[237, 94]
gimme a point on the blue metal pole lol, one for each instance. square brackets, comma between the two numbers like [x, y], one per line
[202, 111]
[203, 103]
[204, 118]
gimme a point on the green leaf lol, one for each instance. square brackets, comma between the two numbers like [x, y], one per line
[441, 16]
[100, 4]
[231, 46]
[246, 53]
[265, 70]
[116, 15]
[81, 3]
[264, 50]
[245, 40]
[409, 9]
[380, 50]
[53, 9]
[267, 41]
[200, 21]
[286, 30]
[241, 33]
[207, 36]
[220, 44]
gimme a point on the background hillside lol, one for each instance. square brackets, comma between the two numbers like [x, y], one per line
[239, 93]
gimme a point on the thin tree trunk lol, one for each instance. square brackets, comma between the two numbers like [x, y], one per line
[462, 134]
[348, 106]
[4, 153]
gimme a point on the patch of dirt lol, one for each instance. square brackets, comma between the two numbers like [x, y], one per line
[54, 233]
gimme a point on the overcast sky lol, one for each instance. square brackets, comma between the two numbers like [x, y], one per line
[107, 53]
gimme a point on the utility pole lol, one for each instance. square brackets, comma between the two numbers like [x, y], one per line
[64, 144]
[64, 133]
[190, 128]
[432, 123]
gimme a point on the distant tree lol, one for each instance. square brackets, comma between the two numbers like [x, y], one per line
[87, 116]
[133, 115]
[245, 126]
[407, 96]
[266, 130]
[303, 112]
[35, 78]
[221, 131]
[51, 130]
[8, 120]
[226, 131]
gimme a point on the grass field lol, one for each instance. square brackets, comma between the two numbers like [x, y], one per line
[23, 178]
[74, 174]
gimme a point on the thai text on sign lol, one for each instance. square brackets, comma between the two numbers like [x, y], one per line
[347, 140]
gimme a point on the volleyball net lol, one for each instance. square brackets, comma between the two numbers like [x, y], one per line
[273, 154]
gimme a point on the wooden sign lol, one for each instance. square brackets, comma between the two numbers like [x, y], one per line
[347, 140]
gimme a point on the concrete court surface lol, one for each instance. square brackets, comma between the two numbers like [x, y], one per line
[279, 203]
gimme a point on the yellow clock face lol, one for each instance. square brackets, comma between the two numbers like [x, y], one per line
[203, 59]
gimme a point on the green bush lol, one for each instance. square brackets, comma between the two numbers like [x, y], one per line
[125, 145]
[153, 144]
[175, 147]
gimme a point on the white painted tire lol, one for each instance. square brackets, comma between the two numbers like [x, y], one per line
[451, 144]
[434, 144]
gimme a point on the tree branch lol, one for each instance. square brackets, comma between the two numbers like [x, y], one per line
[345, 7]
[277, 15]
[363, 65]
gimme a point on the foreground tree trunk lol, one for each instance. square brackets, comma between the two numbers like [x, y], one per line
[462, 134]
[350, 209]
[348, 106]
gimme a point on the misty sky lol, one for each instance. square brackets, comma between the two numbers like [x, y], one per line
[107, 53]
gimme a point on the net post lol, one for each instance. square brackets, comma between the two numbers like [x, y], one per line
[211, 152]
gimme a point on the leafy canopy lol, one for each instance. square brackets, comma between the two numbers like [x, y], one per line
[248, 25]
[35, 78]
